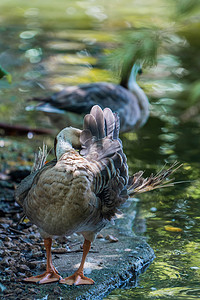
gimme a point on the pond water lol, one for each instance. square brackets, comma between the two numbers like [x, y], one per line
[48, 45]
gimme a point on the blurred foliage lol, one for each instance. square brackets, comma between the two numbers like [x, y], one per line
[185, 7]
[195, 92]
[135, 45]
[4, 73]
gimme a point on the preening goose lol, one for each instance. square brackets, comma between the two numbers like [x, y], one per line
[81, 191]
[68, 107]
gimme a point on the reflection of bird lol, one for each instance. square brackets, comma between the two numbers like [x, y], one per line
[68, 107]
[81, 191]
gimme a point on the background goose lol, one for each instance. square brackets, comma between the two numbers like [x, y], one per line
[68, 107]
[81, 191]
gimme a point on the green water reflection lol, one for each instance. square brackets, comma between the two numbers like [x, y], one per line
[51, 44]
[175, 273]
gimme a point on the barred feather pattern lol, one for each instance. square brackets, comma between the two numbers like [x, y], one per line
[102, 147]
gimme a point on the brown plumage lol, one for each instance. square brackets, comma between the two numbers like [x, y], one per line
[81, 191]
[69, 106]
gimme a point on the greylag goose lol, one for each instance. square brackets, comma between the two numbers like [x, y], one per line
[81, 190]
[68, 107]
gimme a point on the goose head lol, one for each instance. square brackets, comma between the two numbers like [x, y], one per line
[136, 90]
[136, 69]
[67, 139]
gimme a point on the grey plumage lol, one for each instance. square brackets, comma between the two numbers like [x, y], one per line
[68, 107]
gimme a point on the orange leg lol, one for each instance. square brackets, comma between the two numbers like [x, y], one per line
[78, 278]
[51, 274]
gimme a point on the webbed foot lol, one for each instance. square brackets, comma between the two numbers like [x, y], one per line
[46, 277]
[77, 279]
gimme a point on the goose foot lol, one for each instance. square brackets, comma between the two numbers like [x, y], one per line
[77, 279]
[46, 277]
[51, 274]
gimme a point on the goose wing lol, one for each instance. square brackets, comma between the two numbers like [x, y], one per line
[80, 99]
[26, 184]
[102, 147]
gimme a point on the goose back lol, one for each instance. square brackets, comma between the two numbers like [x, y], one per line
[80, 99]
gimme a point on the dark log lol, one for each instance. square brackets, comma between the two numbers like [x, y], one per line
[19, 130]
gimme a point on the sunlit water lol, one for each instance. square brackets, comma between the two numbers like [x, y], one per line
[175, 272]
[44, 50]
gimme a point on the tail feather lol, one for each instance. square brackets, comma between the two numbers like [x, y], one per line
[109, 121]
[97, 137]
[101, 145]
[90, 124]
[97, 113]
[138, 184]
[112, 123]
[117, 127]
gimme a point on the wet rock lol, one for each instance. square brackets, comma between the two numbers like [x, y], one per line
[37, 254]
[8, 271]
[59, 250]
[57, 290]
[13, 268]
[6, 252]
[31, 236]
[7, 261]
[2, 287]
[8, 244]
[42, 266]
[7, 239]
[6, 184]
[5, 225]
[21, 275]
[32, 291]
[23, 268]
[99, 236]
[111, 238]
[14, 253]
[32, 264]
[18, 291]
[8, 291]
